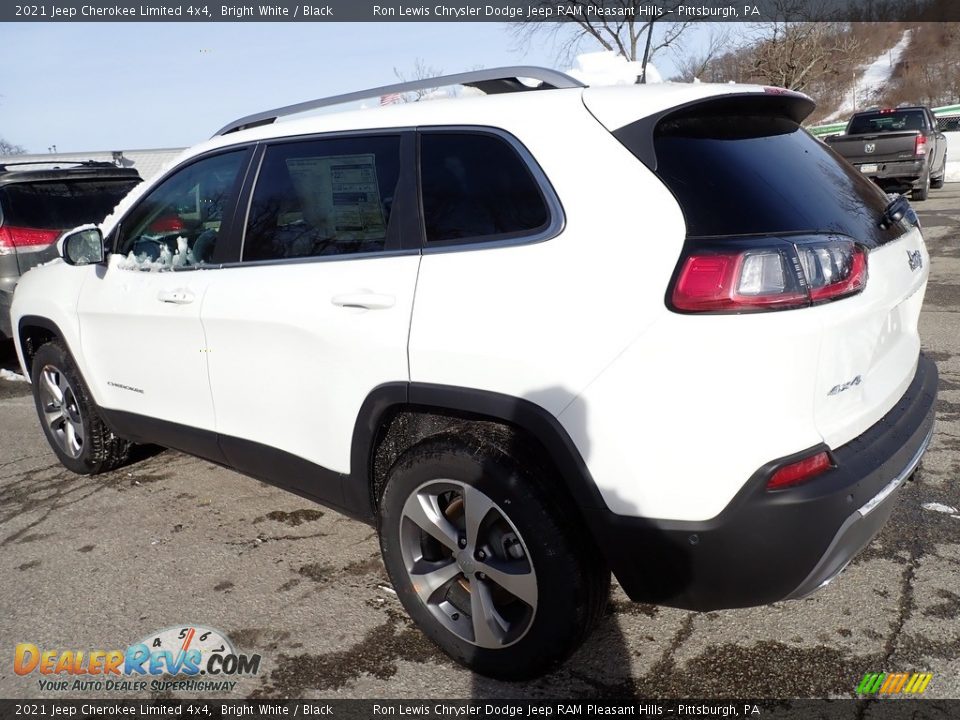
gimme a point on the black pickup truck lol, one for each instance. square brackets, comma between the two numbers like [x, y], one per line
[898, 148]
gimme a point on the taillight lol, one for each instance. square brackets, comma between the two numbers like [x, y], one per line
[12, 238]
[920, 147]
[800, 471]
[770, 274]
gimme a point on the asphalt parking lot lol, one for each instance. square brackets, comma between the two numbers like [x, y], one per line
[98, 563]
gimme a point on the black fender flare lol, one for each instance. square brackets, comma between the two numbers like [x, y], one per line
[484, 404]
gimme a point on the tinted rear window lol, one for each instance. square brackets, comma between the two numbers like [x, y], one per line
[743, 175]
[880, 122]
[61, 204]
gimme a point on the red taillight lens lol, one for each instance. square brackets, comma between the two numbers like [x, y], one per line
[920, 148]
[14, 237]
[800, 471]
[774, 276]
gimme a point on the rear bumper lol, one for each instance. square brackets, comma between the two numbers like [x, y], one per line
[904, 172]
[770, 546]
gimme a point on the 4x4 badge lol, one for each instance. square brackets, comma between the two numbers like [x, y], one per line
[915, 259]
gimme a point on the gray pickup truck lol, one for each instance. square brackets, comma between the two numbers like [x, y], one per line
[898, 148]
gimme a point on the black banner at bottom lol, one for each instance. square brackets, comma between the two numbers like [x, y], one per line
[480, 709]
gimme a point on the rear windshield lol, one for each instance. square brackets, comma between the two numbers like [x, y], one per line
[744, 175]
[881, 122]
[61, 204]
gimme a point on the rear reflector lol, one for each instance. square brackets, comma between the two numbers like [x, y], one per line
[800, 471]
[14, 237]
[767, 274]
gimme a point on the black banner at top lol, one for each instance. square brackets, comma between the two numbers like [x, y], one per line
[513, 11]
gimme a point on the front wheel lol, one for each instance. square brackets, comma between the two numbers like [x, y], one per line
[69, 417]
[487, 561]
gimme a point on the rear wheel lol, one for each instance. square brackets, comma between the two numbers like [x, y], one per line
[69, 417]
[487, 562]
[922, 192]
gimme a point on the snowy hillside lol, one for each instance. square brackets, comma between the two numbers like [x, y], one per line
[870, 84]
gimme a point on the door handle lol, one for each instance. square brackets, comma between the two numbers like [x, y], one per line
[365, 299]
[180, 296]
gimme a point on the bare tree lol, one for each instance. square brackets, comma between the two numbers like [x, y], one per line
[695, 66]
[797, 55]
[635, 35]
[421, 71]
[8, 148]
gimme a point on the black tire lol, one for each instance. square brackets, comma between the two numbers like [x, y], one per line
[96, 449]
[937, 182]
[572, 581]
[922, 192]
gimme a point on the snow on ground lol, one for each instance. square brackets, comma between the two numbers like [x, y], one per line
[937, 507]
[866, 87]
[11, 376]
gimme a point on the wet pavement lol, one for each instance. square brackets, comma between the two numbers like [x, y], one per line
[97, 563]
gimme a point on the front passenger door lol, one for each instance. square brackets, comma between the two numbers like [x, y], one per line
[140, 316]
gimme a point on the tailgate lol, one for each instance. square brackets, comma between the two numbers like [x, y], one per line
[871, 342]
[881, 147]
[747, 175]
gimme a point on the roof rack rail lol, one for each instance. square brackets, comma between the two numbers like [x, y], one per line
[491, 81]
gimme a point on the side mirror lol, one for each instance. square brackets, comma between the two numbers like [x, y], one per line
[83, 246]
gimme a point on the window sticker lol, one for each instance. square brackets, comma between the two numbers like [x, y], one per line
[340, 195]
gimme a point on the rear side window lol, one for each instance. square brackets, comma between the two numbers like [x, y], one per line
[324, 197]
[61, 204]
[751, 174]
[881, 122]
[476, 188]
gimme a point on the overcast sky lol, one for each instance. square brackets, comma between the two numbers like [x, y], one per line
[115, 86]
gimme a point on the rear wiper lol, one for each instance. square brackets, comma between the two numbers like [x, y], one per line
[899, 208]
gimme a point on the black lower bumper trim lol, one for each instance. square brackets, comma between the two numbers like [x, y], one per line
[769, 546]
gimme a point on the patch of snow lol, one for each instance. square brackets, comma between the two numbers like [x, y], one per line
[953, 171]
[11, 376]
[938, 507]
[871, 83]
[168, 260]
[609, 68]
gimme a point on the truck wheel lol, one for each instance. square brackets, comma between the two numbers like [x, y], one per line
[922, 192]
[937, 182]
[69, 417]
[486, 559]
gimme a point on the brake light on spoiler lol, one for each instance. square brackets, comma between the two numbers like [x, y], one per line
[753, 275]
[12, 238]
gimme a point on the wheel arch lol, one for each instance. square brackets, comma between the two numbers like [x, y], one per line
[32, 332]
[396, 416]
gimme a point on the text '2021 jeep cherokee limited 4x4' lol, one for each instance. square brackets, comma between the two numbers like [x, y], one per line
[533, 337]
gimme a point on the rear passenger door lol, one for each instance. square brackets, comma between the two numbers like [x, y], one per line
[317, 312]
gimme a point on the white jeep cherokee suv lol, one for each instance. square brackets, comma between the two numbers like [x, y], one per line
[532, 337]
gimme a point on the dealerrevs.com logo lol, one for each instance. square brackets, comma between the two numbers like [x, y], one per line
[191, 658]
